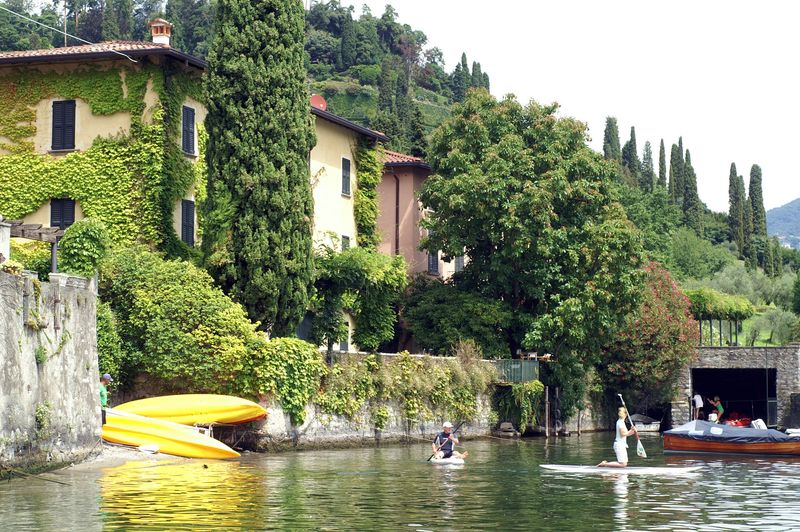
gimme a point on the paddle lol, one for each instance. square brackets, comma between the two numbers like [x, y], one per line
[639, 446]
[445, 441]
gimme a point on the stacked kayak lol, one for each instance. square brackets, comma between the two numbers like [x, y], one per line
[167, 437]
[197, 408]
[165, 423]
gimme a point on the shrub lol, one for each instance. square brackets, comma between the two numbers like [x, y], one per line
[33, 255]
[366, 74]
[109, 344]
[84, 245]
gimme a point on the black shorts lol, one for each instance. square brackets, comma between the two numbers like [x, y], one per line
[447, 454]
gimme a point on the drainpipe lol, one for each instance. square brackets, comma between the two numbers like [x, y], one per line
[396, 214]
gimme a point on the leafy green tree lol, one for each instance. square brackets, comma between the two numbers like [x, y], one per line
[193, 25]
[143, 12]
[656, 217]
[518, 191]
[662, 166]
[694, 257]
[439, 315]
[631, 166]
[757, 202]
[692, 206]
[322, 47]
[648, 175]
[259, 209]
[736, 209]
[796, 295]
[611, 145]
[19, 34]
[644, 359]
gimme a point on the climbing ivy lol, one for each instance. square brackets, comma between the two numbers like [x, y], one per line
[131, 182]
[369, 163]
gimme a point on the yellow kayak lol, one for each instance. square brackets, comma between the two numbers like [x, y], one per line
[202, 408]
[169, 438]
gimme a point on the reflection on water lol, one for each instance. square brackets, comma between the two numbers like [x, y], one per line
[394, 488]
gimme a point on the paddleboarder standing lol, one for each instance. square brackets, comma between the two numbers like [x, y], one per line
[620, 442]
[444, 443]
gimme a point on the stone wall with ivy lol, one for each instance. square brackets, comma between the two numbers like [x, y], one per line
[49, 407]
[130, 182]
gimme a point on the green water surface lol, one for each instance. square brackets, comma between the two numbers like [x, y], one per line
[394, 488]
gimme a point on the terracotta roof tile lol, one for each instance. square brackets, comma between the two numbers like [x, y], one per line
[393, 158]
[94, 51]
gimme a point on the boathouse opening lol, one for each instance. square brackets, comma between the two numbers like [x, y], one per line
[744, 392]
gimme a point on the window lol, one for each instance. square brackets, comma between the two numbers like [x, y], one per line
[433, 262]
[344, 345]
[345, 243]
[63, 125]
[345, 176]
[187, 221]
[459, 263]
[62, 213]
[187, 138]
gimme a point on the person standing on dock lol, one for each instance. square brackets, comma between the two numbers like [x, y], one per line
[717, 404]
[620, 442]
[443, 445]
[698, 404]
[105, 380]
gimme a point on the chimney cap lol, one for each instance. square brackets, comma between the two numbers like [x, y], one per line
[160, 22]
[161, 30]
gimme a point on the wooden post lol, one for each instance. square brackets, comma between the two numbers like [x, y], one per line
[719, 321]
[546, 412]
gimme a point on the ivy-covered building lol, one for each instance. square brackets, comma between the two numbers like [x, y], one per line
[112, 131]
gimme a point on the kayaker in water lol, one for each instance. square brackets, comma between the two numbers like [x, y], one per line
[620, 442]
[443, 445]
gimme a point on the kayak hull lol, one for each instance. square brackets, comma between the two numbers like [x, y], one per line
[579, 469]
[168, 438]
[198, 408]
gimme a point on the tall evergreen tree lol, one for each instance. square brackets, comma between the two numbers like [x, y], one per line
[459, 87]
[143, 12]
[777, 256]
[692, 207]
[417, 143]
[124, 12]
[348, 46]
[477, 75]
[387, 86]
[259, 206]
[757, 202]
[486, 84]
[110, 27]
[631, 165]
[735, 210]
[611, 146]
[676, 175]
[648, 174]
[662, 166]
[749, 253]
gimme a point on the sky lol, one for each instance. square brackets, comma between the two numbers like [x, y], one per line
[722, 74]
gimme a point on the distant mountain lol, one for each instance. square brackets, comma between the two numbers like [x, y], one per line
[784, 222]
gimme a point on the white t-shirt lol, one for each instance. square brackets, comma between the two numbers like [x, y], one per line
[621, 426]
[698, 401]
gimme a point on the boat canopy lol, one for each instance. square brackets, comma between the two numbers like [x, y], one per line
[707, 431]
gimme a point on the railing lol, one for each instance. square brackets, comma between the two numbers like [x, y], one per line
[516, 371]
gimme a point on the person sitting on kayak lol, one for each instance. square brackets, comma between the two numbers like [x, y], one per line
[718, 405]
[443, 445]
[620, 444]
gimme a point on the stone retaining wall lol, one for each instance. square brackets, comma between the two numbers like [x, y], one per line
[49, 389]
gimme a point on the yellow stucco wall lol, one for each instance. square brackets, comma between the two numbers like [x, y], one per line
[42, 215]
[333, 211]
[87, 126]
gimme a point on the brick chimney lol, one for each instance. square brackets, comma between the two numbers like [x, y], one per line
[161, 31]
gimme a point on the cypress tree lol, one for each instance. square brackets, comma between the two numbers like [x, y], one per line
[632, 167]
[348, 43]
[662, 165]
[735, 210]
[258, 242]
[459, 88]
[416, 133]
[477, 76]
[387, 86]
[692, 207]
[611, 146]
[747, 228]
[402, 98]
[768, 261]
[675, 175]
[648, 174]
[757, 202]
[110, 22]
[124, 11]
[486, 83]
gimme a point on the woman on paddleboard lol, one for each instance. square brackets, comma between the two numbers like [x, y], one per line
[620, 442]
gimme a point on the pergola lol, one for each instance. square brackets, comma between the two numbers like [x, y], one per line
[42, 234]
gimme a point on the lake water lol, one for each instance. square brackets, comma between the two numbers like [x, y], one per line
[394, 488]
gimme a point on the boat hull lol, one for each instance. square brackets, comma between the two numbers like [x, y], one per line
[191, 409]
[168, 438]
[673, 443]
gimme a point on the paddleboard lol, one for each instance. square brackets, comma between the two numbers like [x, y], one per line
[580, 469]
[196, 408]
[447, 461]
[167, 437]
